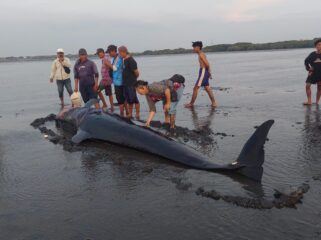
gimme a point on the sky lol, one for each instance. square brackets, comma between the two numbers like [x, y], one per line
[39, 27]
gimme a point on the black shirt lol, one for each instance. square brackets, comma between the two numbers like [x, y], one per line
[129, 77]
[314, 61]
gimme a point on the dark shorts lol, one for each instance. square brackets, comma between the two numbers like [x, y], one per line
[313, 80]
[119, 92]
[87, 92]
[107, 88]
[203, 78]
[61, 84]
[130, 95]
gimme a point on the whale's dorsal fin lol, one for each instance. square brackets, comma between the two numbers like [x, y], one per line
[80, 136]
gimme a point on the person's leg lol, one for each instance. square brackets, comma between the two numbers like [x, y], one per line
[103, 100]
[68, 86]
[309, 94]
[172, 111]
[120, 99]
[194, 96]
[60, 87]
[109, 93]
[137, 105]
[211, 96]
[92, 94]
[318, 93]
[83, 93]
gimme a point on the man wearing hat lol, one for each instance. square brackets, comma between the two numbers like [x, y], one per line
[86, 77]
[60, 71]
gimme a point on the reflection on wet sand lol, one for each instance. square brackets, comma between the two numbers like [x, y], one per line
[312, 133]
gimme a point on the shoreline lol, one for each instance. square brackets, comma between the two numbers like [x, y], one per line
[219, 48]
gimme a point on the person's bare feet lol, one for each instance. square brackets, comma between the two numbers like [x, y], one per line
[307, 103]
[188, 105]
[214, 105]
[137, 117]
[112, 109]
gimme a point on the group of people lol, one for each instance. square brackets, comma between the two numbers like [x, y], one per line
[120, 69]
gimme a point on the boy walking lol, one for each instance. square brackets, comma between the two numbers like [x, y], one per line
[130, 75]
[313, 66]
[204, 76]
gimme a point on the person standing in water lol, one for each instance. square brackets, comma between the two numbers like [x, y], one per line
[130, 75]
[117, 75]
[86, 77]
[204, 76]
[60, 71]
[313, 66]
[106, 79]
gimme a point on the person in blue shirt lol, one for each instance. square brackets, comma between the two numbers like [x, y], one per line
[117, 75]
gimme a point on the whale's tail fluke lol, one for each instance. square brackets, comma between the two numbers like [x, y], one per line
[252, 154]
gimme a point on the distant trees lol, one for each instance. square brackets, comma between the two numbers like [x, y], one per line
[240, 46]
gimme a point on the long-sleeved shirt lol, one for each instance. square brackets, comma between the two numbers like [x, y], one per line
[58, 71]
[86, 72]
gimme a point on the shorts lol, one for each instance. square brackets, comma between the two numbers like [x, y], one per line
[130, 95]
[119, 92]
[179, 92]
[87, 92]
[203, 78]
[107, 88]
[313, 80]
[64, 83]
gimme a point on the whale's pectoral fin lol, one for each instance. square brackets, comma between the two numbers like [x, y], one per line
[80, 136]
[251, 157]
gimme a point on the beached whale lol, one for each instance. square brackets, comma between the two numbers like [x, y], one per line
[95, 124]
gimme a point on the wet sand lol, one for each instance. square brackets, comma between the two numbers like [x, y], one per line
[106, 191]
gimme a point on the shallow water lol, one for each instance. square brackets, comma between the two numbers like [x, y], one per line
[104, 191]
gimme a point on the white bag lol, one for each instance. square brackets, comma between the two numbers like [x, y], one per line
[75, 99]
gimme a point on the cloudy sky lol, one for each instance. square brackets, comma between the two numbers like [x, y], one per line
[38, 27]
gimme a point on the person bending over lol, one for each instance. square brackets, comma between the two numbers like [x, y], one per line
[168, 91]
[313, 66]
[203, 77]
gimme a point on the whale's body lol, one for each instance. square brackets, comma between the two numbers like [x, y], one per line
[95, 124]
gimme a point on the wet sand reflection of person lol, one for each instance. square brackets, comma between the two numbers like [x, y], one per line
[202, 125]
[312, 133]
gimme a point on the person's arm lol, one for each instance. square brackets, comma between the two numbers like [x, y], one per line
[76, 78]
[96, 75]
[53, 71]
[108, 64]
[134, 68]
[66, 63]
[206, 63]
[152, 111]
[76, 84]
[307, 63]
[168, 100]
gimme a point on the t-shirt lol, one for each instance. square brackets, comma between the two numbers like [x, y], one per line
[129, 77]
[157, 92]
[118, 74]
[86, 72]
[314, 61]
[105, 77]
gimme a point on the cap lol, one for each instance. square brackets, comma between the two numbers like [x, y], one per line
[82, 51]
[99, 50]
[111, 48]
[60, 50]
